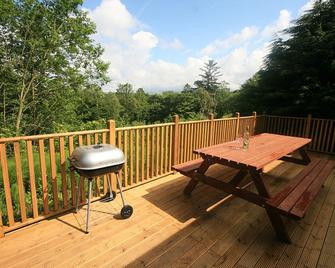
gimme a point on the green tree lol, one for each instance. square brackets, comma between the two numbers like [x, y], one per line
[129, 112]
[96, 104]
[47, 55]
[210, 77]
[299, 73]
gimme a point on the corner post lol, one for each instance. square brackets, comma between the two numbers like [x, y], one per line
[237, 124]
[211, 128]
[112, 141]
[175, 141]
[254, 114]
[308, 125]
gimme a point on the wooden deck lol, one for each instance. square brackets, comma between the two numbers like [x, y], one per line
[168, 229]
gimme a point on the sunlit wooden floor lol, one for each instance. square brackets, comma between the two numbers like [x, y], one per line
[170, 230]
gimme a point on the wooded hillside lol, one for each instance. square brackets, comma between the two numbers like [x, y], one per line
[52, 74]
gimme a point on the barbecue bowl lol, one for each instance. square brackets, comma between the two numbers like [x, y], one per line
[96, 160]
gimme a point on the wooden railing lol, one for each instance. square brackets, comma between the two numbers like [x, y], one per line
[321, 131]
[36, 182]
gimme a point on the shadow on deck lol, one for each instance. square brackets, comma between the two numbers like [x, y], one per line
[169, 229]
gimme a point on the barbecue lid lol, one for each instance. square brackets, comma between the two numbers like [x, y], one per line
[96, 156]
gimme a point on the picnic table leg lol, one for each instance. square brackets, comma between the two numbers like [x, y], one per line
[193, 182]
[304, 160]
[279, 226]
[304, 155]
[275, 219]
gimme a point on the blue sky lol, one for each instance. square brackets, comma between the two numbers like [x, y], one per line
[160, 45]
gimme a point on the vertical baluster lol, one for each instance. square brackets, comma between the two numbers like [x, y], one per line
[328, 135]
[104, 141]
[157, 152]
[323, 146]
[142, 155]
[181, 142]
[53, 173]
[63, 172]
[125, 151]
[333, 142]
[161, 149]
[316, 132]
[188, 143]
[22, 201]
[97, 179]
[170, 148]
[148, 153]
[137, 160]
[152, 152]
[31, 169]
[43, 176]
[6, 183]
[302, 128]
[192, 141]
[81, 179]
[72, 175]
[131, 157]
[320, 136]
[166, 149]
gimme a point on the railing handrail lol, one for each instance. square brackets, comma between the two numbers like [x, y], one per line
[144, 126]
[52, 135]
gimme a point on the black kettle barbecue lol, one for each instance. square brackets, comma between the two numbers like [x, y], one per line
[96, 160]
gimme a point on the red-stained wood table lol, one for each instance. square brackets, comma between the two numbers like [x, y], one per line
[263, 149]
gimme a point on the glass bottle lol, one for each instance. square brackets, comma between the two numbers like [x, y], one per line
[246, 137]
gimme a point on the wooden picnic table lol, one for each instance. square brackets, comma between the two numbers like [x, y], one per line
[263, 149]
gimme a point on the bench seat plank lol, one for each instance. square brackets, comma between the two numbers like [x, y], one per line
[188, 167]
[296, 193]
[301, 206]
[295, 199]
[276, 200]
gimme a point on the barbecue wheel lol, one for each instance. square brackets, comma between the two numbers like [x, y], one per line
[126, 211]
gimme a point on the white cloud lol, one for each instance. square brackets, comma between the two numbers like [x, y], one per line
[113, 20]
[174, 44]
[241, 64]
[280, 24]
[234, 40]
[129, 47]
[145, 40]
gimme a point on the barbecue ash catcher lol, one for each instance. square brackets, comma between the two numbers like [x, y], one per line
[96, 160]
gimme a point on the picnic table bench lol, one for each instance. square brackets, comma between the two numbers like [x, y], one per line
[292, 201]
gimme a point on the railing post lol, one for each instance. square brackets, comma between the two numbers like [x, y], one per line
[175, 141]
[254, 114]
[112, 140]
[237, 124]
[211, 128]
[308, 125]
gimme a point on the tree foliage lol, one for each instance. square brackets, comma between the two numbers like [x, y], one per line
[299, 73]
[210, 77]
[47, 56]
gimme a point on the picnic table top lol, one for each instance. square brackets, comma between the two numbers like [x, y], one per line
[263, 149]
